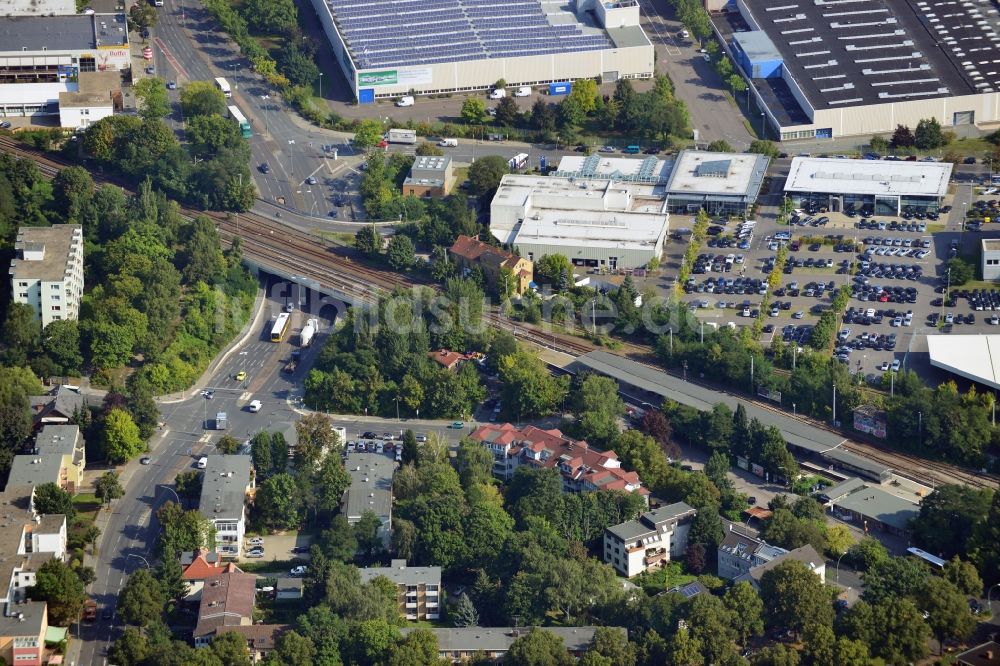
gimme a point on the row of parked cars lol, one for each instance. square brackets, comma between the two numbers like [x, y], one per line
[893, 225]
[721, 285]
[872, 269]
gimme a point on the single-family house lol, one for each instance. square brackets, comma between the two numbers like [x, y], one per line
[261, 638]
[497, 264]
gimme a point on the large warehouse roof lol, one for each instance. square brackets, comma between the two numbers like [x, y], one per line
[975, 357]
[731, 174]
[61, 33]
[395, 33]
[850, 54]
[816, 174]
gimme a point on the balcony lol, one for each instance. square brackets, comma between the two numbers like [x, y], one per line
[655, 557]
[411, 606]
[431, 604]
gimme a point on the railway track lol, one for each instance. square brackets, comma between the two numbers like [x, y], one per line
[264, 239]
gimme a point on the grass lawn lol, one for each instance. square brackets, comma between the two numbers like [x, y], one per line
[336, 237]
[969, 146]
[935, 228]
[669, 576]
[87, 506]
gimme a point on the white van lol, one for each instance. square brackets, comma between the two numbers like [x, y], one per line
[499, 93]
[254, 406]
[523, 91]
[406, 100]
[448, 143]
[202, 462]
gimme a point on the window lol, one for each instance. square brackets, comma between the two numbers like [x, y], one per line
[55, 297]
[56, 308]
[22, 284]
[23, 294]
[53, 286]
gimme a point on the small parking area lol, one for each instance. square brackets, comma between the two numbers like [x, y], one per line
[284, 546]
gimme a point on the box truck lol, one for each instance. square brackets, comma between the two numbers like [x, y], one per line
[401, 136]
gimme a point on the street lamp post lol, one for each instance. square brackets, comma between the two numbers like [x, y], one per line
[838, 564]
[920, 428]
[834, 404]
[140, 557]
[989, 597]
[321, 85]
[397, 407]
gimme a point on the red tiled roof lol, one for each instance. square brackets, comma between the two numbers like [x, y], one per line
[601, 469]
[200, 569]
[446, 357]
[226, 600]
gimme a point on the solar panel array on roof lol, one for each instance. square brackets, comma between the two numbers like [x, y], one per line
[387, 33]
[968, 31]
[850, 52]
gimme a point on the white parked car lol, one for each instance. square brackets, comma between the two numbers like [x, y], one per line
[299, 570]
[523, 91]
[255, 406]
[255, 541]
[406, 100]
[202, 462]
[498, 93]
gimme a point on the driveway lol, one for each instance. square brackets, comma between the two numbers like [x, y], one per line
[278, 547]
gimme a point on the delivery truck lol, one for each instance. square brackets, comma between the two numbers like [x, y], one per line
[308, 332]
[401, 136]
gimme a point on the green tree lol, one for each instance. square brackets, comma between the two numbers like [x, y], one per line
[50, 499]
[776, 655]
[473, 111]
[820, 645]
[795, 597]
[474, 463]
[485, 175]
[712, 625]
[464, 614]
[684, 650]
[260, 453]
[902, 137]
[202, 98]
[747, 611]
[879, 144]
[961, 271]
[183, 531]
[152, 93]
[368, 134]
[208, 135]
[538, 648]
[928, 134]
[418, 648]
[543, 116]
[948, 614]
[507, 112]
[847, 652]
[963, 576]
[409, 447]
[900, 633]
[142, 16]
[59, 586]
[72, 189]
[720, 146]
[108, 487]
[551, 269]
[894, 577]
[279, 501]
[614, 645]
[528, 389]
[120, 436]
[599, 409]
[400, 253]
[170, 574]
[270, 16]
[131, 648]
[231, 649]
[866, 553]
[368, 241]
[297, 62]
[21, 333]
[762, 147]
[293, 649]
[366, 533]
[142, 599]
[188, 484]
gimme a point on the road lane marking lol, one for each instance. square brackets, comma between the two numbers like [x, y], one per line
[170, 57]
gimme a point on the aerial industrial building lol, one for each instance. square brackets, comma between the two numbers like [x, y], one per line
[831, 69]
[388, 48]
[42, 57]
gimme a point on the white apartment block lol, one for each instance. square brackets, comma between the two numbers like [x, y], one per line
[47, 272]
[227, 484]
[649, 542]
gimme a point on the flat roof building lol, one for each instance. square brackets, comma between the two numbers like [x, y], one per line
[832, 72]
[975, 357]
[887, 188]
[647, 171]
[418, 588]
[874, 508]
[459, 644]
[43, 56]
[721, 183]
[227, 483]
[649, 542]
[47, 271]
[807, 555]
[603, 224]
[370, 490]
[398, 47]
[430, 176]
[37, 7]
[991, 258]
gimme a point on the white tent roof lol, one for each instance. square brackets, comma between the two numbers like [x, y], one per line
[975, 357]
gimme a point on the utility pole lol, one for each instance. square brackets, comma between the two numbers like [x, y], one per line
[751, 373]
[834, 404]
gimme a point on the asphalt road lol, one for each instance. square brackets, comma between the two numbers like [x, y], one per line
[129, 533]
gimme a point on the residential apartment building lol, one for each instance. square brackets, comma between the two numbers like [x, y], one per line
[227, 484]
[807, 555]
[469, 252]
[739, 553]
[418, 588]
[64, 443]
[583, 469]
[370, 490]
[47, 272]
[460, 644]
[32, 540]
[649, 542]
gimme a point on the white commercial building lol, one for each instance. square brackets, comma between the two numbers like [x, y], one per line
[600, 224]
[721, 183]
[389, 48]
[975, 357]
[43, 56]
[880, 186]
[47, 272]
[649, 542]
[37, 7]
[224, 490]
[827, 70]
[991, 259]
